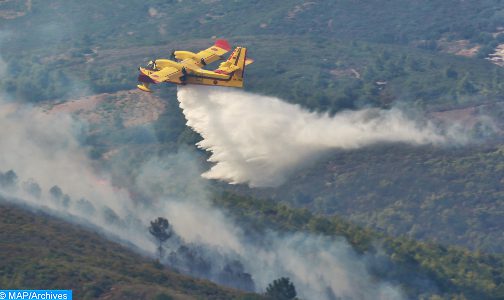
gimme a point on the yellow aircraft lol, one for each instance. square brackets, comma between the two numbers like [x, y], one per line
[187, 68]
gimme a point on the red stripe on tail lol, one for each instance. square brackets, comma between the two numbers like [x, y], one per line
[223, 44]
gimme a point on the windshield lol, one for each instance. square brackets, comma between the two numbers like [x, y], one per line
[151, 65]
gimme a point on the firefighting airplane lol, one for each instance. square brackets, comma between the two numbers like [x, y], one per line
[187, 68]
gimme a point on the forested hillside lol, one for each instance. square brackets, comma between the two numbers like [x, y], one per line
[157, 21]
[451, 196]
[424, 270]
[38, 251]
[345, 48]
[429, 218]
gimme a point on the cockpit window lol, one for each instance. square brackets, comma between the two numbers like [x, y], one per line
[151, 65]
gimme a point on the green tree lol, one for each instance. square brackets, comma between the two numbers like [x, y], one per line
[56, 192]
[33, 188]
[451, 73]
[161, 230]
[281, 289]
[9, 179]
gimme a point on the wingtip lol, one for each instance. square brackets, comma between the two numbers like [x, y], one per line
[144, 88]
[223, 44]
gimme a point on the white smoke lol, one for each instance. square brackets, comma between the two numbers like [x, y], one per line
[3, 67]
[320, 267]
[261, 140]
[46, 149]
[183, 199]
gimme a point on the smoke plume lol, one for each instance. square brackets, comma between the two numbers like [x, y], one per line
[260, 140]
[320, 267]
[52, 172]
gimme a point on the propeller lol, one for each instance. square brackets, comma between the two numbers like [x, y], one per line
[172, 56]
[203, 62]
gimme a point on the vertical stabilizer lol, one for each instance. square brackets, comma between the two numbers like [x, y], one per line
[239, 61]
[235, 67]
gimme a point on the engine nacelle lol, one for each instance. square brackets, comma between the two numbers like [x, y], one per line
[181, 55]
[163, 63]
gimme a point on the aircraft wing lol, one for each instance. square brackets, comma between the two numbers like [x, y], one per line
[207, 56]
[215, 52]
[165, 74]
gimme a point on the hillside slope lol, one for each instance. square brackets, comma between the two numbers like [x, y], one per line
[424, 270]
[451, 195]
[148, 21]
[340, 49]
[40, 252]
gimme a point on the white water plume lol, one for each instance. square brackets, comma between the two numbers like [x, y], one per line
[261, 140]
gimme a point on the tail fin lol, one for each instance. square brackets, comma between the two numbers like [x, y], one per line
[235, 65]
